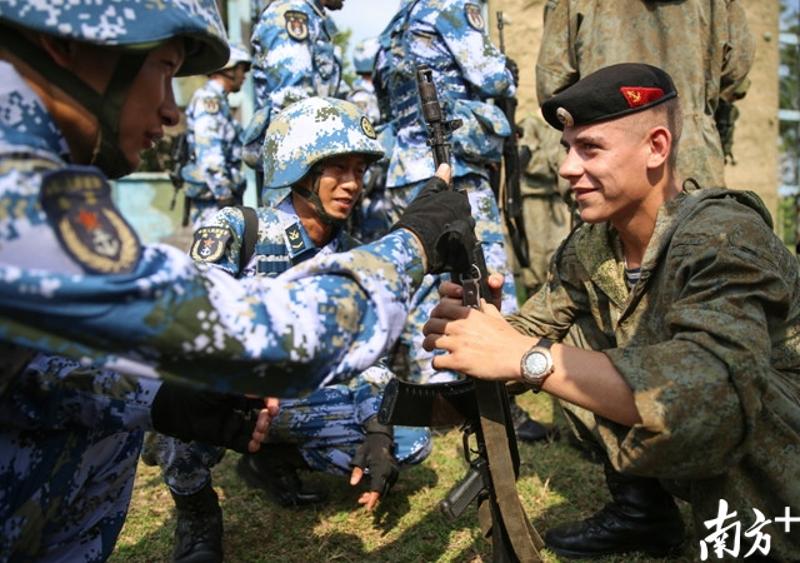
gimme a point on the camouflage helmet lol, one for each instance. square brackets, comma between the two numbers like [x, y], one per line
[238, 55]
[311, 130]
[135, 28]
[364, 55]
[136, 25]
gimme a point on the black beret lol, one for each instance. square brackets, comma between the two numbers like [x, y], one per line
[610, 92]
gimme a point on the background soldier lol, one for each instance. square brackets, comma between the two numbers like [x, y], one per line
[293, 53]
[708, 67]
[336, 424]
[451, 38]
[362, 92]
[213, 176]
[293, 58]
[546, 213]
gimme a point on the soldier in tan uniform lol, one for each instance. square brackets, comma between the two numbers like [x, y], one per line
[688, 305]
[705, 45]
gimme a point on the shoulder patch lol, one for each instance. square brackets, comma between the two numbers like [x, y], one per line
[295, 238]
[296, 25]
[367, 128]
[211, 105]
[209, 243]
[474, 16]
[77, 202]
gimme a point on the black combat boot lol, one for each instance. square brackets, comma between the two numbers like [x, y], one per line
[641, 517]
[527, 429]
[274, 469]
[198, 532]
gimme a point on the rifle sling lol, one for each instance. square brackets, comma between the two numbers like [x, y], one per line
[249, 237]
[524, 537]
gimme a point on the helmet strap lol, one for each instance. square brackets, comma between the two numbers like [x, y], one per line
[106, 107]
[313, 197]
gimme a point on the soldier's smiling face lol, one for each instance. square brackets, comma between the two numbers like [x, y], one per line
[608, 166]
[340, 184]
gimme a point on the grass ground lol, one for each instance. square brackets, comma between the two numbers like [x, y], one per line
[556, 485]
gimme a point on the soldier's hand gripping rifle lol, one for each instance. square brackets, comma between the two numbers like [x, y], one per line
[179, 154]
[512, 197]
[480, 407]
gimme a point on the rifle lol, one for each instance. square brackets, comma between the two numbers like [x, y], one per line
[179, 153]
[480, 407]
[512, 196]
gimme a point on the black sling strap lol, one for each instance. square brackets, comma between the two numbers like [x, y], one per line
[249, 238]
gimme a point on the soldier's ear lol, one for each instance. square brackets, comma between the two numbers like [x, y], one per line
[660, 146]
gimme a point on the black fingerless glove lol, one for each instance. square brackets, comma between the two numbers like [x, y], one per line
[513, 68]
[213, 418]
[429, 214]
[375, 456]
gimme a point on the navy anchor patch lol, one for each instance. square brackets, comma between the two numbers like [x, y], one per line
[474, 16]
[77, 202]
[296, 25]
[209, 243]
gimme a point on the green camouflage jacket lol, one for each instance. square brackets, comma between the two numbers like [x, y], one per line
[709, 342]
[705, 45]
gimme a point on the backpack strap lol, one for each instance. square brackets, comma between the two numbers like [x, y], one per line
[249, 237]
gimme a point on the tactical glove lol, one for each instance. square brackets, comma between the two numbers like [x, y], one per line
[375, 456]
[213, 418]
[513, 68]
[429, 214]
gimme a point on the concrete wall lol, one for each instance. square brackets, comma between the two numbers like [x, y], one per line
[756, 138]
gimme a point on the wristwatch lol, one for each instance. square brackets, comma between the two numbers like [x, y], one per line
[536, 364]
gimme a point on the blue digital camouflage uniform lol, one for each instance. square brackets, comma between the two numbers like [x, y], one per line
[69, 446]
[362, 93]
[165, 316]
[71, 434]
[327, 424]
[293, 59]
[293, 54]
[214, 136]
[72, 271]
[450, 37]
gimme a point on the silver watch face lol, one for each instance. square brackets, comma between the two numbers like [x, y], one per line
[536, 364]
